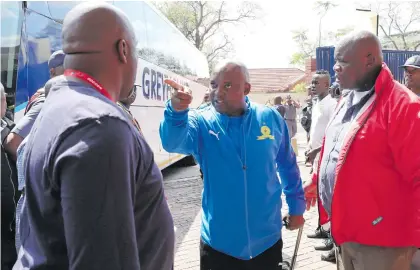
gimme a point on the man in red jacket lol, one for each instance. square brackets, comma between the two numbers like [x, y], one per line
[369, 170]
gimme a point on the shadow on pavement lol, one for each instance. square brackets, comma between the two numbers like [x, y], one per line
[183, 187]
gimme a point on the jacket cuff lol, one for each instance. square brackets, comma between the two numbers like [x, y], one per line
[297, 207]
[173, 113]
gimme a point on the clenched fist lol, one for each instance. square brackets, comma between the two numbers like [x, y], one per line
[181, 97]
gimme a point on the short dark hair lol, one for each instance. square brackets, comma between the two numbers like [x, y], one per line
[324, 72]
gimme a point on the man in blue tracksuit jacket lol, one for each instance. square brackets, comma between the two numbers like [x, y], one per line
[240, 146]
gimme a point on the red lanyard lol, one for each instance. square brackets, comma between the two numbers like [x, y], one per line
[87, 78]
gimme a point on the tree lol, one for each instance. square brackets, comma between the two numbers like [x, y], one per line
[300, 88]
[307, 47]
[399, 23]
[335, 36]
[202, 22]
[322, 7]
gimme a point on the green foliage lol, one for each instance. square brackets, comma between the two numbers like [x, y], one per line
[306, 46]
[300, 88]
[298, 59]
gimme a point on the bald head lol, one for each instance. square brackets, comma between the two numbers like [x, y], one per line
[278, 100]
[99, 39]
[362, 43]
[231, 85]
[90, 27]
[358, 60]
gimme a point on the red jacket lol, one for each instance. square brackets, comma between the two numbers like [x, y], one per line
[376, 197]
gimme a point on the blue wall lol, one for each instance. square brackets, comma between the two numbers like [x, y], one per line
[394, 59]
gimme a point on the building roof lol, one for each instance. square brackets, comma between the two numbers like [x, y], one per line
[275, 79]
[412, 38]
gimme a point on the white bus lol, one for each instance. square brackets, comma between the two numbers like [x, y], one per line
[31, 32]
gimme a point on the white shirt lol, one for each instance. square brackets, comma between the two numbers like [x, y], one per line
[321, 115]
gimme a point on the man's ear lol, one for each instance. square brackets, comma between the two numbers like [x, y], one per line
[247, 88]
[122, 50]
[52, 73]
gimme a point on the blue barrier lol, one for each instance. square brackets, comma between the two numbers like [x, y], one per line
[394, 59]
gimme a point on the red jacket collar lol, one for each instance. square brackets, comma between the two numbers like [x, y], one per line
[384, 79]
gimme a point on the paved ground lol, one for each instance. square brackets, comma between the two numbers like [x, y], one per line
[183, 189]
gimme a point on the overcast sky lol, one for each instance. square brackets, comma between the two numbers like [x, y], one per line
[269, 44]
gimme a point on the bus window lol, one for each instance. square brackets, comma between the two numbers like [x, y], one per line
[11, 23]
[43, 38]
[59, 9]
[181, 57]
[38, 6]
[135, 13]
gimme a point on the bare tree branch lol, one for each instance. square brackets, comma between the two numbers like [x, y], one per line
[214, 52]
[201, 21]
[389, 38]
[416, 47]
[397, 22]
[210, 35]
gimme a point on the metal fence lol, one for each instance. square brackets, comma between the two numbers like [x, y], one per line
[394, 59]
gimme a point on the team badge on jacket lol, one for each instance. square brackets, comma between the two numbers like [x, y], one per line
[266, 134]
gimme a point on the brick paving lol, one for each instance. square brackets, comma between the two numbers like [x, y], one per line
[183, 189]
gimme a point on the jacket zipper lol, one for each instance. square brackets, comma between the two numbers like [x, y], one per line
[243, 162]
[344, 160]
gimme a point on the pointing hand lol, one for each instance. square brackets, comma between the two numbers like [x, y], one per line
[181, 96]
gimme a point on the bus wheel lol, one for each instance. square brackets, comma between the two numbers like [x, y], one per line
[187, 161]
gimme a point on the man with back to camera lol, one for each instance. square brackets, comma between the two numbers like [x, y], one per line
[94, 195]
[370, 152]
[290, 114]
[412, 74]
[278, 104]
[24, 125]
[239, 146]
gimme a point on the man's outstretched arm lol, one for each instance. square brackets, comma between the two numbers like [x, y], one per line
[179, 131]
[179, 128]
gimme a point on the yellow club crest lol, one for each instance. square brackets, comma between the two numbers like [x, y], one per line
[266, 134]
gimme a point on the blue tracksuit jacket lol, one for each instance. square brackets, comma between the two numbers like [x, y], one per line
[239, 157]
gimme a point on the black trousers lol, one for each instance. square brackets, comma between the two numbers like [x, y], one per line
[211, 259]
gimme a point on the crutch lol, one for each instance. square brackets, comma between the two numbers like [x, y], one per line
[299, 237]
